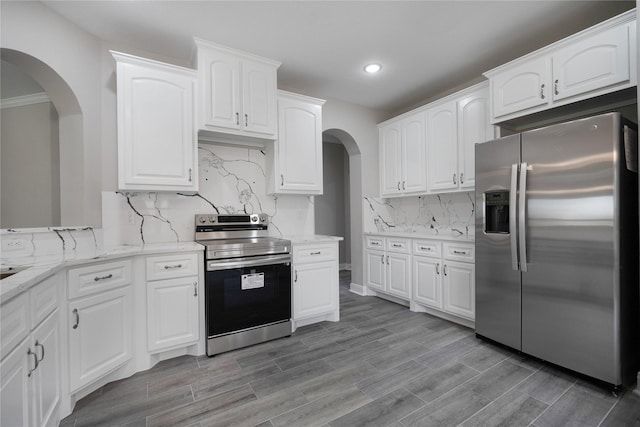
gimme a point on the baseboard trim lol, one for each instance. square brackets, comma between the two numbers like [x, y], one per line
[345, 266]
[357, 289]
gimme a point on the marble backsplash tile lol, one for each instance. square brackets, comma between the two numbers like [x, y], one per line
[451, 214]
[231, 180]
[46, 241]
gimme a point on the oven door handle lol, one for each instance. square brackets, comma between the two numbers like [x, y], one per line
[213, 265]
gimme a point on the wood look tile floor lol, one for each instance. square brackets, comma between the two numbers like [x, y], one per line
[381, 365]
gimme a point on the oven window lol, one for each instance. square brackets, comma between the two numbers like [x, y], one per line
[242, 298]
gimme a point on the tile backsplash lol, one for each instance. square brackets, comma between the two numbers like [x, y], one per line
[451, 214]
[232, 180]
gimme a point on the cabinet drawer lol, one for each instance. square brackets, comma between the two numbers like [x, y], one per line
[315, 253]
[14, 323]
[399, 245]
[171, 266]
[44, 299]
[428, 248]
[374, 242]
[459, 252]
[98, 278]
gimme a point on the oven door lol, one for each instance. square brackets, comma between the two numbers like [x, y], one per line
[247, 292]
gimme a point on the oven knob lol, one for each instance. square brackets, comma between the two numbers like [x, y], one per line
[254, 218]
[202, 220]
[212, 219]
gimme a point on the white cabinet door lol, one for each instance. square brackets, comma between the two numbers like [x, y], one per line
[15, 386]
[99, 335]
[473, 127]
[427, 283]
[443, 147]
[172, 312]
[522, 87]
[391, 159]
[156, 126]
[46, 378]
[315, 289]
[259, 97]
[219, 89]
[299, 146]
[592, 63]
[375, 270]
[399, 275]
[414, 157]
[459, 288]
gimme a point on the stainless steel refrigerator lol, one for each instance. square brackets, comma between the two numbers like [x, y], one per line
[557, 245]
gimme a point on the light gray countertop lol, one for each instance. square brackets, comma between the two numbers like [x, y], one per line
[312, 238]
[448, 238]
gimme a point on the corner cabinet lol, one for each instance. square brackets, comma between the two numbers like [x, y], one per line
[294, 160]
[593, 62]
[237, 94]
[156, 125]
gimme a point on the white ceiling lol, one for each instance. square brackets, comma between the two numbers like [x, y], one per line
[425, 47]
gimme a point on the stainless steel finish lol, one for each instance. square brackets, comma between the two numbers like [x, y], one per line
[227, 342]
[542, 91]
[214, 265]
[498, 314]
[77, 315]
[37, 344]
[98, 278]
[515, 265]
[170, 267]
[522, 217]
[575, 301]
[35, 358]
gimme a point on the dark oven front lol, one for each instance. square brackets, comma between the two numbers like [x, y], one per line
[246, 293]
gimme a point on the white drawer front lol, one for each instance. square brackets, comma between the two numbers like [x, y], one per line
[399, 245]
[460, 252]
[375, 242]
[44, 299]
[172, 266]
[428, 248]
[98, 278]
[14, 323]
[315, 253]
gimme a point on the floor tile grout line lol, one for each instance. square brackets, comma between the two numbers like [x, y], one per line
[609, 411]
[554, 401]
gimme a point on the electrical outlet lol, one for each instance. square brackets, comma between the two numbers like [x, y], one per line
[13, 244]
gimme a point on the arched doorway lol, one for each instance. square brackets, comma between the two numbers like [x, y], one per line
[339, 210]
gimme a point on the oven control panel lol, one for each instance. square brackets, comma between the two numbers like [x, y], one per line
[234, 219]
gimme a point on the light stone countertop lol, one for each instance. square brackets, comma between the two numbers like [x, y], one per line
[312, 238]
[448, 238]
[34, 269]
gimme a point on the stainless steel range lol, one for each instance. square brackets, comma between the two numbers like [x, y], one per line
[247, 281]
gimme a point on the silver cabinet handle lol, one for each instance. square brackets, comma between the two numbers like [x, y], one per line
[387, 259]
[461, 177]
[460, 252]
[396, 245]
[295, 278]
[445, 269]
[281, 179]
[438, 268]
[98, 278]
[195, 289]
[246, 120]
[398, 185]
[555, 87]
[42, 347]
[512, 216]
[403, 186]
[382, 259]
[170, 267]
[522, 217]
[237, 118]
[375, 243]
[190, 175]
[425, 248]
[454, 178]
[35, 358]
[77, 315]
[315, 253]
[542, 91]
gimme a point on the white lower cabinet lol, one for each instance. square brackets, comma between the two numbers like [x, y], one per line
[315, 283]
[389, 270]
[172, 303]
[100, 326]
[427, 281]
[459, 288]
[30, 386]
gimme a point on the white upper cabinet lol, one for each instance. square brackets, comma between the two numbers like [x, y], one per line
[403, 156]
[593, 62]
[156, 128]
[473, 128]
[238, 94]
[294, 161]
[443, 147]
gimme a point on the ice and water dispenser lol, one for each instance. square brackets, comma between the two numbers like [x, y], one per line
[496, 214]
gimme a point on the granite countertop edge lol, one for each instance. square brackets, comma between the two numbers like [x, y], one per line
[426, 236]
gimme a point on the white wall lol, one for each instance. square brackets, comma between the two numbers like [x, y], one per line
[74, 55]
[30, 169]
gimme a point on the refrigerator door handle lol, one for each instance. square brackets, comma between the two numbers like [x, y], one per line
[513, 231]
[522, 217]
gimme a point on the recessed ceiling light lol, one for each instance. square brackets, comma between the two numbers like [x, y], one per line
[372, 68]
